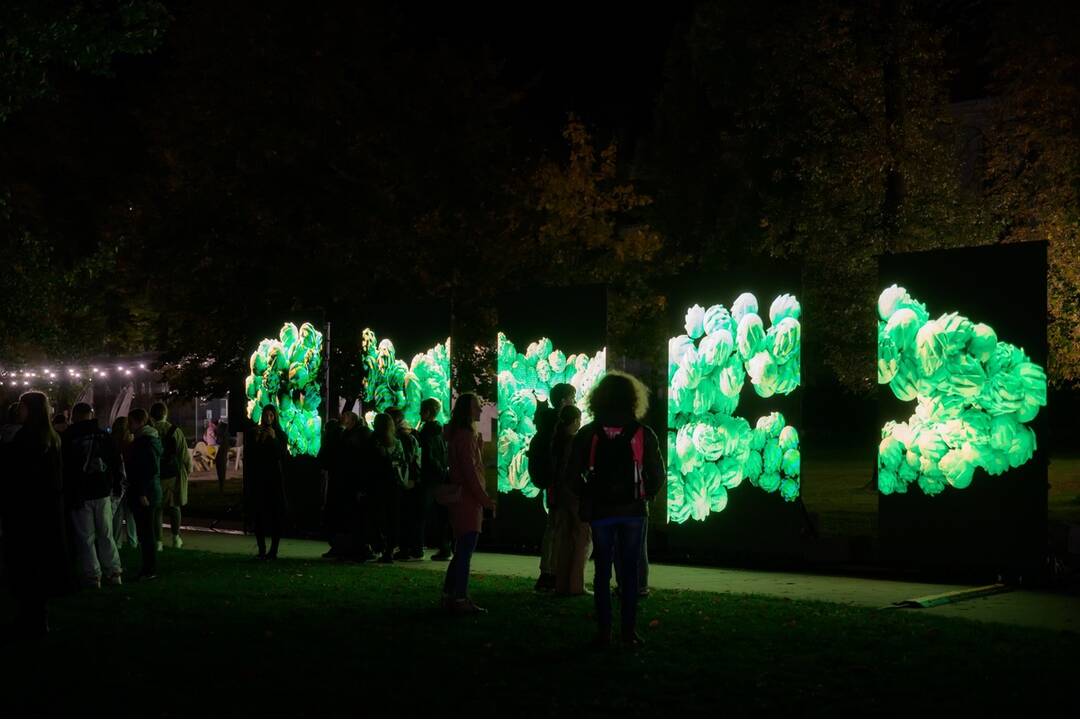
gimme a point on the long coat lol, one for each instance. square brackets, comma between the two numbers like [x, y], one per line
[467, 470]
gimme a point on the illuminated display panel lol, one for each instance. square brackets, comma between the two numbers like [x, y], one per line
[712, 447]
[390, 381]
[284, 372]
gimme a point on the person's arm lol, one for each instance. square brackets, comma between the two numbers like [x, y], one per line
[655, 474]
[474, 476]
[182, 454]
[579, 462]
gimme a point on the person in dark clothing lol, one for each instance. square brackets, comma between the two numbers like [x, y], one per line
[542, 473]
[32, 513]
[411, 502]
[616, 464]
[346, 529]
[264, 482]
[88, 454]
[385, 472]
[144, 477]
[221, 459]
[434, 471]
[120, 439]
[573, 539]
[333, 506]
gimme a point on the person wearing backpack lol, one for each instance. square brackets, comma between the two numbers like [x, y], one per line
[617, 467]
[175, 468]
[434, 472]
[86, 450]
[542, 473]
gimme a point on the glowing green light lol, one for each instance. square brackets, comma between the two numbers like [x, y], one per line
[974, 395]
[710, 449]
[391, 382]
[525, 379]
[284, 373]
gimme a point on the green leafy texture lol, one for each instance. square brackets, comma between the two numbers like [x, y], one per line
[284, 373]
[710, 449]
[389, 382]
[974, 396]
[524, 380]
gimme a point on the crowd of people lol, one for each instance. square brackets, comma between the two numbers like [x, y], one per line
[390, 489]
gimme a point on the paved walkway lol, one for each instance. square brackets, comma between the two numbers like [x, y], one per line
[1019, 607]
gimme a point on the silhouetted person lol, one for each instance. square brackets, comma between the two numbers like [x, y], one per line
[411, 505]
[60, 423]
[32, 511]
[175, 468]
[616, 463]
[386, 468]
[123, 518]
[221, 459]
[144, 477]
[264, 481]
[88, 457]
[542, 472]
[573, 537]
[434, 472]
[467, 500]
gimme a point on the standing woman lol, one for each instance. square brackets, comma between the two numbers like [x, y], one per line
[615, 462]
[264, 486]
[573, 538]
[35, 527]
[467, 500]
[388, 467]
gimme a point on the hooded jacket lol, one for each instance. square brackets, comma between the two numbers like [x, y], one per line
[82, 443]
[144, 473]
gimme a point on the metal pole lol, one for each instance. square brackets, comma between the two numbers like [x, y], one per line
[326, 407]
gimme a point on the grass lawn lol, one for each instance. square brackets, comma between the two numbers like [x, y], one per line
[228, 636]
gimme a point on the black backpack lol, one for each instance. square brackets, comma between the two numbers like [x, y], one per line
[615, 469]
[94, 480]
[170, 463]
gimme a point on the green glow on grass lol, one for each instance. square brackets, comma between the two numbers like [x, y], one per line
[710, 449]
[524, 379]
[284, 373]
[391, 382]
[974, 395]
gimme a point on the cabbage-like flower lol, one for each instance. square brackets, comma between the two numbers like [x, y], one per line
[789, 489]
[771, 456]
[983, 342]
[789, 438]
[718, 319]
[751, 335]
[791, 463]
[763, 372]
[890, 453]
[930, 347]
[769, 482]
[786, 339]
[771, 424]
[695, 322]
[902, 328]
[715, 347]
[745, 304]
[890, 300]
[731, 380]
[784, 306]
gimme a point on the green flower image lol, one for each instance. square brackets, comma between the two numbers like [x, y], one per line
[391, 382]
[524, 380]
[710, 449]
[974, 395]
[284, 373]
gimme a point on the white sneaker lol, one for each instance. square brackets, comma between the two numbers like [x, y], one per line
[177, 542]
[160, 547]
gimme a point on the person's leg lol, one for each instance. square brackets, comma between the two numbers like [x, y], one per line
[144, 519]
[444, 532]
[157, 520]
[547, 564]
[82, 522]
[130, 526]
[579, 555]
[604, 537]
[174, 524]
[260, 530]
[561, 549]
[629, 533]
[117, 506]
[643, 559]
[277, 525]
[221, 467]
[449, 589]
[107, 553]
[463, 552]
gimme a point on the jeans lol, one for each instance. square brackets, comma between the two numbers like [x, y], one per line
[144, 525]
[627, 534]
[643, 559]
[123, 522]
[94, 544]
[457, 572]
